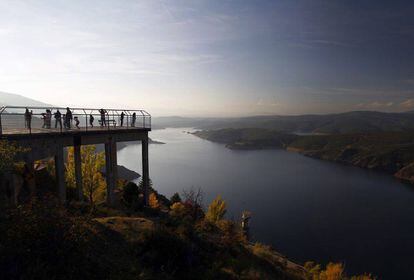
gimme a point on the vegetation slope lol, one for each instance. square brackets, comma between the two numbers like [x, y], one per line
[169, 239]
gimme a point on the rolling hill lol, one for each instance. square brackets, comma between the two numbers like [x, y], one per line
[349, 122]
[18, 100]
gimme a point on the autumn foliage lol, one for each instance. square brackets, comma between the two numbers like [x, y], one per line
[216, 210]
[93, 181]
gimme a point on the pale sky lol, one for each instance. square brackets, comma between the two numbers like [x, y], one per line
[211, 58]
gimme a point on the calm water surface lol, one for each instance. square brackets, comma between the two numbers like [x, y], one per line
[307, 209]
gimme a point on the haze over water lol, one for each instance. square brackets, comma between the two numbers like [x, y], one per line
[307, 209]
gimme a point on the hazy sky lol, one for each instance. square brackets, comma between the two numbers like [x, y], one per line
[211, 57]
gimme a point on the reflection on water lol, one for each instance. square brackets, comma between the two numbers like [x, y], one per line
[307, 209]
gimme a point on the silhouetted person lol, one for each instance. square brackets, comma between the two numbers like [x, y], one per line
[58, 119]
[77, 122]
[122, 118]
[68, 118]
[91, 120]
[103, 119]
[28, 119]
[48, 118]
[134, 119]
[64, 121]
[44, 120]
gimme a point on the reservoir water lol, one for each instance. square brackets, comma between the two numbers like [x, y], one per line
[307, 209]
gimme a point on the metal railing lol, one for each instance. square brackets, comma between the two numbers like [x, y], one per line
[31, 120]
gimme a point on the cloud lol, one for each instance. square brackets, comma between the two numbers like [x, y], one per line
[374, 105]
[328, 42]
[408, 81]
[268, 103]
[407, 104]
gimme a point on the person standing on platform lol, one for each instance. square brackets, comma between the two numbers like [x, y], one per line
[28, 119]
[103, 119]
[134, 119]
[58, 119]
[68, 118]
[48, 118]
[77, 122]
[122, 118]
[44, 120]
[91, 120]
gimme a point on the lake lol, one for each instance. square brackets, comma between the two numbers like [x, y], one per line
[307, 209]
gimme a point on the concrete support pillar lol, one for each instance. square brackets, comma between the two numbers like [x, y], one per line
[145, 170]
[78, 171]
[60, 173]
[111, 170]
[1, 127]
[30, 177]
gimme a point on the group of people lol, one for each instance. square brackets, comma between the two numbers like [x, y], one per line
[47, 119]
[104, 121]
[68, 119]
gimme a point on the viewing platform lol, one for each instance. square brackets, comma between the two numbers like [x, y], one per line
[14, 121]
[47, 131]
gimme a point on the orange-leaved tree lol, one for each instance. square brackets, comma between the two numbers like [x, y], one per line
[216, 210]
[93, 181]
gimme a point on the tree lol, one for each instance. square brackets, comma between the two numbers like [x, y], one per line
[193, 201]
[153, 201]
[216, 210]
[131, 196]
[92, 179]
[175, 198]
[333, 271]
[8, 153]
[178, 210]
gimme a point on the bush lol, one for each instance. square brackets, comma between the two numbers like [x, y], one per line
[175, 198]
[153, 201]
[216, 210]
[193, 200]
[163, 251]
[333, 271]
[40, 241]
[178, 210]
[132, 197]
[231, 233]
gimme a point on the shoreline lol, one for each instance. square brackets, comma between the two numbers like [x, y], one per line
[404, 174]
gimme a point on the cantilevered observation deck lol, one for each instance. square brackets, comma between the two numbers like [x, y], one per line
[45, 136]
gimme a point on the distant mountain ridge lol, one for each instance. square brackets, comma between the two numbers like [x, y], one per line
[350, 122]
[18, 100]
